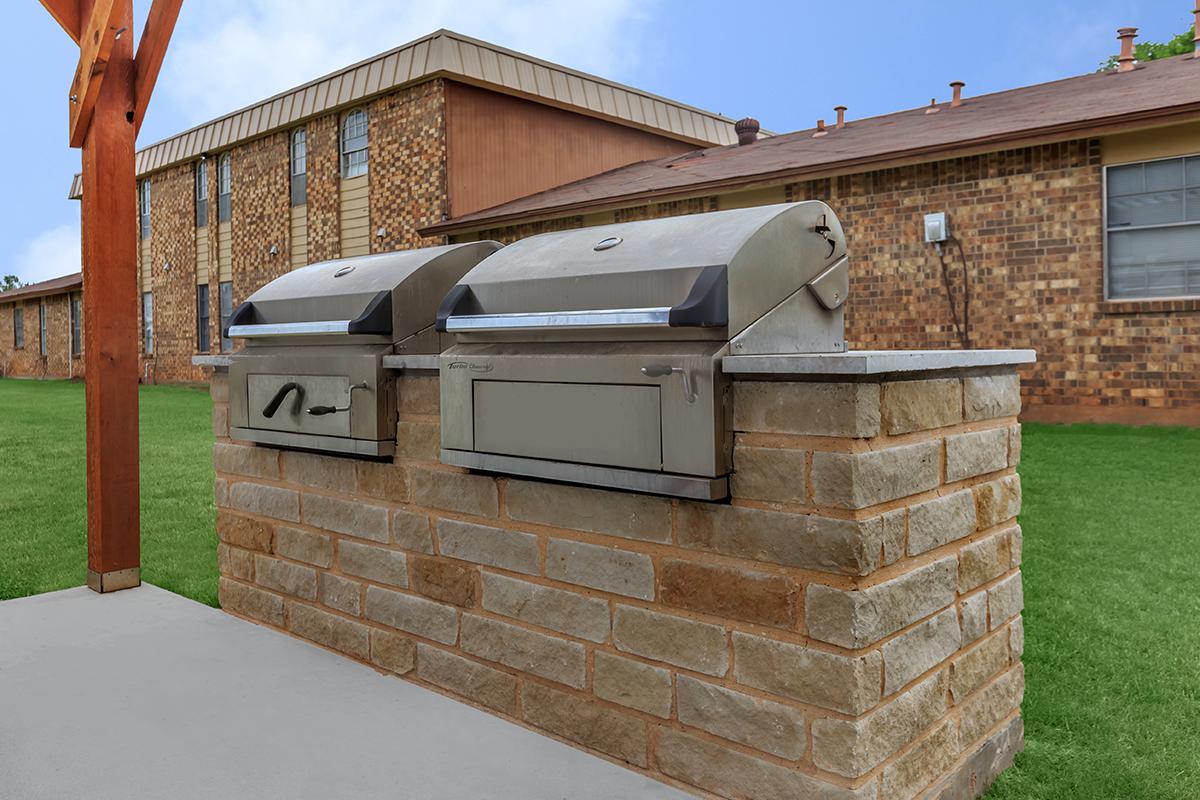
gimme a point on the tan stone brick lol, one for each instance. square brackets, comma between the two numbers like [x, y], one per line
[588, 723]
[729, 773]
[383, 481]
[340, 593]
[285, 577]
[988, 397]
[1005, 601]
[482, 544]
[220, 421]
[454, 491]
[489, 687]
[919, 405]
[1014, 445]
[997, 501]
[976, 666]
[250, 602]
[973, 614]
[992, 703]
[685, 643]
[546, 607]
[862, 617]
[235, 562]
[393, 652]
[444, 581]
[1017, 638]
[632, 516]
[322, 627]
[976, 453]
[319, 471]
[762, 724]
[244, 532]
[351, 517]
[842, 683]
[859, 480]
[600, 567]
[940, 520]
[418, 439]
[298, 545]
[920, 766]
[413, 614]
[417, 394]
[895, 535]
[218, 387]
[524, 650]
[412, 532]
[221, 493]
[267, 501]
[240, 459]
[729, 592]
[855, 747]
[986, 559]
[632, 683]
[373, 563]
[811, 409]
[768, 473]
[915, 652]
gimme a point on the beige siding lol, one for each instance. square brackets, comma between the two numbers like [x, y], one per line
[1174, 140]
[202, 255]
[147, 269]
[355, 216]
[751, 198]
[299, 236]
[224, 252]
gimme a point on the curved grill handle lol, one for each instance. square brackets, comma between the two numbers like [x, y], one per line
[277, 400]
[320, 411]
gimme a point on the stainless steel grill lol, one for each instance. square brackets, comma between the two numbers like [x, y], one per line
[311, 373]
[594, 355]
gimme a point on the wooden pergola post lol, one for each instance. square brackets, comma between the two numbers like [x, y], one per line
[108, 100]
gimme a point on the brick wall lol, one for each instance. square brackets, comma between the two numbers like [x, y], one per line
[27, 362]
[847, 627]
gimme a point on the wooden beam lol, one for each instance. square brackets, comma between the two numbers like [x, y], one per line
[150, 51]
[95, 47]
[65, 13]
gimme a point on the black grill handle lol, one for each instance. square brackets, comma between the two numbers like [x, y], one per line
[277, 400]
[320, 411]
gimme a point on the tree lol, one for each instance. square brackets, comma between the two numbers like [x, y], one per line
[1152, 51]
[9, 282]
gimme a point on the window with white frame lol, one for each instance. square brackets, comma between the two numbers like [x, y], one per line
[144, 209]
[201, 193]
[18, 327]
[43, 345]
[224, 188]
[76, 325]
[148, 323]
[299, 167]
[354, 144]
[225, 298]
[1152, 220]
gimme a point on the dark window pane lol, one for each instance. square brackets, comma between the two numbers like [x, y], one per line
[203, 340]
[226, 300]
[1156, 208]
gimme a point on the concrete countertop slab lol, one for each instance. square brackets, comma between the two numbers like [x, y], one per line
[211, 361]
[872, 362]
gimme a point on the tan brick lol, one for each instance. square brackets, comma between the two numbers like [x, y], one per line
[482, 544]
[768, 473]
[235, 562]
[632, 516]
[319, 471]
[920, 766]
[941, 520]
[267, 501]
[976, 666]
[240, 459]
[413, 614]
[524, 650]
[373, 563]
[393, 652]
[285, 577]
[685, 643]
[444, 581]
[600, 567]
[351, 517]
[973, 613]
[632, 683]
[992, 703]
[1017, 638]
[383, 481]
[988, 397]
[729, 773]
[221, 493]
[976, 453]
[895, 535]
[418, 439]
[489, 687]
[1014, 445]
[986, 559]
[250, 602]
[916, 651]
[997, 501]
[340, 593]
[411, 531]
[417, 394]
[244, 532]
[729, 592]
[588, 723]
[220, 421]
[1005, 601]
[859, 480]
[842, 683]
[855, 747]
[762, 724]
[811, 409]
[454, 491]
[322, 627]
[218, 386]
[546, 607]
[862, 617]
[920, 405]
[298, 545]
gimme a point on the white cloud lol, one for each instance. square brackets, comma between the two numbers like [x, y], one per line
[241, 51]
[51, 254]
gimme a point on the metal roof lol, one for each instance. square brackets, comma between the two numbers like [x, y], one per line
[66, 283]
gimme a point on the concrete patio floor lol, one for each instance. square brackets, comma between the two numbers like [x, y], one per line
[145, 694]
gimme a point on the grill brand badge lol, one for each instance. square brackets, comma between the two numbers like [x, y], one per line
[474, 367]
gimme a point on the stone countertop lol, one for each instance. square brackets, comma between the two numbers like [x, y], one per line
[872, 362]
[218, 362]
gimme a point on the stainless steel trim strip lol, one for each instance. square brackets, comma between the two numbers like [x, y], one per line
[317, 328]
[601, 318]
[309, 441]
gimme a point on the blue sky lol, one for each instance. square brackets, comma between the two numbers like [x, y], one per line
[786, 63]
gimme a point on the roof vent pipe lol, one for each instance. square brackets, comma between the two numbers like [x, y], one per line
[1125, 60]
[820, 129]
[746, 130]
[841, 112]
[933, 106]
[957, 86]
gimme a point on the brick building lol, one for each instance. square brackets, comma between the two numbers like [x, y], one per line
[41, 329]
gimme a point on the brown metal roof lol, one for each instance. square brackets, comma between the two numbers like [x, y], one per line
[1155, 93]
[66, 283]
[448, 54]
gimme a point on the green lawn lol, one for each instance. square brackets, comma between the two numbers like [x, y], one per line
[1112, 574]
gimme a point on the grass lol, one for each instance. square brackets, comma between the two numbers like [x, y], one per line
[1111, 569]
[43, 490]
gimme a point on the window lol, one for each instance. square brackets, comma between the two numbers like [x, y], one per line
[201, 193]
[1152, 217]
[42, 344]
[203, 342]
[226, 299]
[76, 325]
[299, 167]
[18, 327]
[354, 144]
[148, 323]
[224, 188]
[144, 209]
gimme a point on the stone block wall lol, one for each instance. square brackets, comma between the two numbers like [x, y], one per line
[846, 627]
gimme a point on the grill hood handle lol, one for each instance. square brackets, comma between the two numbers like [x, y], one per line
[277, 400]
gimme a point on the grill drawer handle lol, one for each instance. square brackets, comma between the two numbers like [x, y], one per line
[320, 411]
[277, 400]
[663, 370]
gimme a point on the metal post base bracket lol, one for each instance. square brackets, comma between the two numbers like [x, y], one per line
[104, 582]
